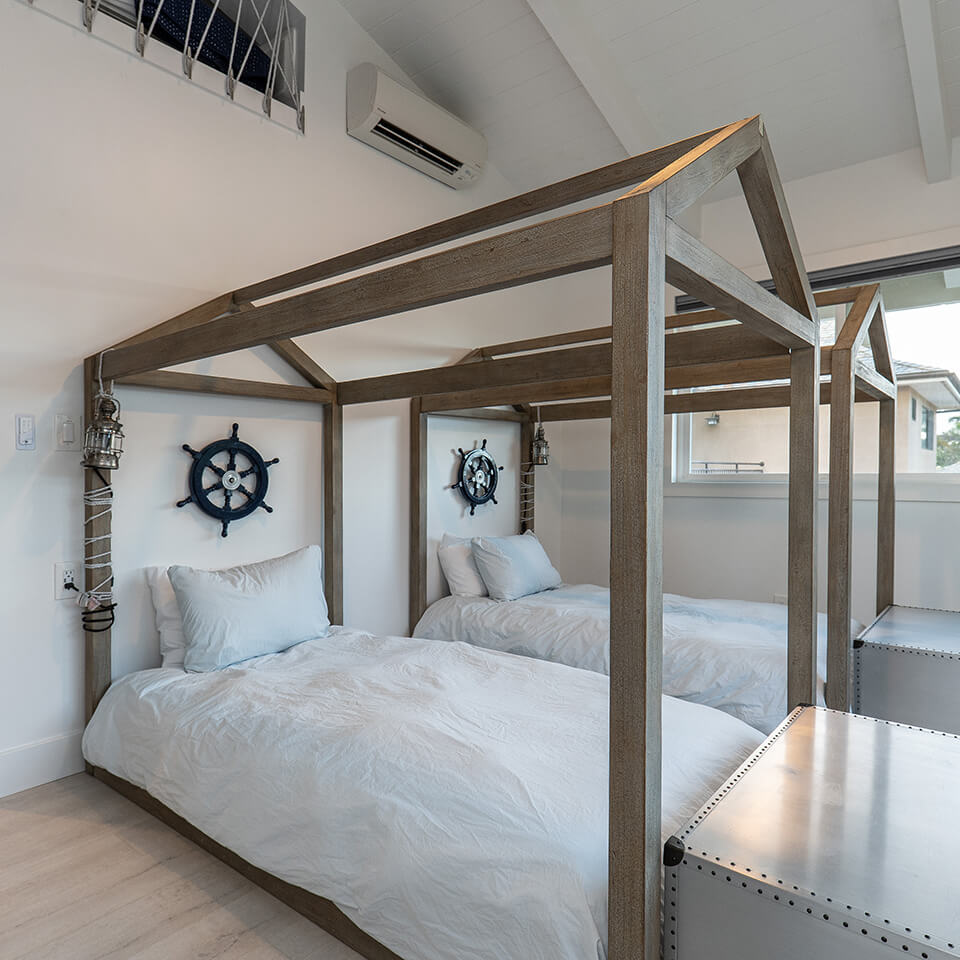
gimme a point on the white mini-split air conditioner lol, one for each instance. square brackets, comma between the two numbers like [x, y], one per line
[401, 123]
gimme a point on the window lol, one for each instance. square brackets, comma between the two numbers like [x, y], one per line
[927, 429]
[923, 319]
[255, 43]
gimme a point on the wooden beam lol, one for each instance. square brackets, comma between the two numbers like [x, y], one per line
[217, 307]
[527, 489]
[304, 364]
[695, 268]
[688, 348]
[689, 177]
[201, 383]
[594, 183]
[880, 344]
[539, 392]
[539, 343]
[585, 410]
[418, 512]
[483, 413]
[854, 328]
[333, 510]
[920, 38]
[886, 503]
[579, 241]
[840, 523]
[833, 298]
[98, 672]
[771, 217]
[636, 577]
[873, 383]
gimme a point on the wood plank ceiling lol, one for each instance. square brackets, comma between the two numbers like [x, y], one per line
[831, 79]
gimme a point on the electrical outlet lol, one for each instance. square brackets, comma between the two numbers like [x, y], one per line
[68, 571]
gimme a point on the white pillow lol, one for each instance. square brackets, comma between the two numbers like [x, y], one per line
[514, 567]
[169, 621]
[242, 612]
[459, 567]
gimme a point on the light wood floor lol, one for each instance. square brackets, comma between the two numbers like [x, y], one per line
[87, 875]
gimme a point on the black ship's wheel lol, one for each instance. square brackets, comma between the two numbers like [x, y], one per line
[232, 488]
[477, 476]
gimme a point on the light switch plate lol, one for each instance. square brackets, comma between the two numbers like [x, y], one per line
[67, 432]
[25, 431]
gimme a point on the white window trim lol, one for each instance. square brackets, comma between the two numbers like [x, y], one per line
[679, 482]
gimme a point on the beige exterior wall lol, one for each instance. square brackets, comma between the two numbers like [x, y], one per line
[763, 435]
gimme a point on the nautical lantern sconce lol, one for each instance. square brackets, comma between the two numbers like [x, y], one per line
[539, 449]
[713, 420]
[103, 441]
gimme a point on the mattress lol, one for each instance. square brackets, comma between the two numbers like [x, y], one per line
[728, 654]
[452, 801]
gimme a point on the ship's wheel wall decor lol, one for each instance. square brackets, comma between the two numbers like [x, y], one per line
[224, 470]
[477, 476]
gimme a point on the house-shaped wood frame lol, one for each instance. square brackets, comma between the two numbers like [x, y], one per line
[639, 236]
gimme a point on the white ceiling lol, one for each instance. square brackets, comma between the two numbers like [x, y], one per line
[830, 77]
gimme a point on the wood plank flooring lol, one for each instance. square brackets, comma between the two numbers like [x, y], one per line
[87, 875]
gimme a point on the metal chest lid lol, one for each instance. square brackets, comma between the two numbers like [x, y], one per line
[916, 628]
[859, 810]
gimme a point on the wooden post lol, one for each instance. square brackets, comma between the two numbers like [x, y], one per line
[802, 539]
[333, 509]
[886, 503]
[842, 389]
[418, 511]
[636, 581]
[97, 646]
[528, 477]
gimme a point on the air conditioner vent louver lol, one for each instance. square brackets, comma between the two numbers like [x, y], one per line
[421, 148]
[383, 113]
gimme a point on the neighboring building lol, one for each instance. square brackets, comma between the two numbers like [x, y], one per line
[748, 438]
[922, 393]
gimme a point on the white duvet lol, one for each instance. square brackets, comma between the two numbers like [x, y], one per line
[728, 654]
[452, 801]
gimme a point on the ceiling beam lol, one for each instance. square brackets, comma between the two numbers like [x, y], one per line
[919, 34]
[592, 62]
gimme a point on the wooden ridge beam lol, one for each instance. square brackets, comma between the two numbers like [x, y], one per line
[694, 267]
[227, 386]
[217, 307]
[689, 177]
[584, 186]
[694, 348]
[536, 392]
[578, 241]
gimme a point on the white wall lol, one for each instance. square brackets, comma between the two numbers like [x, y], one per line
[718, 545]
[127, 195]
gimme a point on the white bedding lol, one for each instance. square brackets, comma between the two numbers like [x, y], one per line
[452, 801]
[728, 654]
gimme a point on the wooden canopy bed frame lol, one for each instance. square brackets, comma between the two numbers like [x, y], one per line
[638, 235]
[698, 360]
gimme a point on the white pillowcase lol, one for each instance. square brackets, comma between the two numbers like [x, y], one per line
[514, 567]
[248, 611]
[459, 567]
[169, 621]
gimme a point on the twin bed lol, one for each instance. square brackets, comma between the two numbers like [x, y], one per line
[451, 801]
[728, 654]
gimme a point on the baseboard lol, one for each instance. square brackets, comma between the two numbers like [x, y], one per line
[31, 764]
